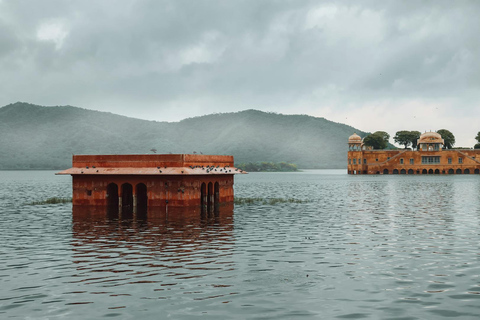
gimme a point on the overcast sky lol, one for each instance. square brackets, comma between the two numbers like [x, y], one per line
[375, 65]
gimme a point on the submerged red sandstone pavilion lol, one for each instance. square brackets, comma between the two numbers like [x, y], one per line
[153, 182]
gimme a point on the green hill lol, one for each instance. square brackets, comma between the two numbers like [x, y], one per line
[36, 137]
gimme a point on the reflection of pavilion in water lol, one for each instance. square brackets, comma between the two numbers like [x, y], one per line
[136, 184]
[157, 253]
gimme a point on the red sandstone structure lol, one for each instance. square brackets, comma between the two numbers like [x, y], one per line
[141, 183]
[430, 158]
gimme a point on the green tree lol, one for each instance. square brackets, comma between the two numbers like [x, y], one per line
[383, 134]
[448, 137]
[407, 138]
[478, 137]
[403, 137]
[415, 137]
[375, 140]
[476, 146]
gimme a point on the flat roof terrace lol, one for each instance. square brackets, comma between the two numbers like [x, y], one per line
[152, 164]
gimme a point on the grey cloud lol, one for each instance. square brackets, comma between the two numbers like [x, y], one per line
[149, 54]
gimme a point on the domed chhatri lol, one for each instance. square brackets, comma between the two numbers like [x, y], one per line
[430, 141]
[429, 158]
[354, 138]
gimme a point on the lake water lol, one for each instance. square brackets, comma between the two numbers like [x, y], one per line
[373, 247]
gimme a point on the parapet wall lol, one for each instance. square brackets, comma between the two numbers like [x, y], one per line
[150, 160]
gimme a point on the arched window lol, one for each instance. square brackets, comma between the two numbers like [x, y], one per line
[467, 171]
[385, 171]
[451, 171]
[410, 171]
[395, 171]
[142, 199]
[424, 171]
[403, 171]
[430, 171]
[459, 171]
[216, 198]
[437, 171]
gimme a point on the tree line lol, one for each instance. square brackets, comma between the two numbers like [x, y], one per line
[380, 139]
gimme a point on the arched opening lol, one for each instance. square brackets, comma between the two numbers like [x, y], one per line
[437, 171]
[424, 171]
[466, 171]
[211, 199]
[203, 198]
[127, 200]
[385, 171]
[378, 172]
[430, 171]
[112, 199]
[216, 198]
[459, 171]
[395, 171]
[410, 171]
[403, 171]
[451, 171]
[142, 200]
[477, 171]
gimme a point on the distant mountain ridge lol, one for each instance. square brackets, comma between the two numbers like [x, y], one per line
[37, 137]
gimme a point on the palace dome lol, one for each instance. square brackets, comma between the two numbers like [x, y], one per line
[430, 137]
[354, 138]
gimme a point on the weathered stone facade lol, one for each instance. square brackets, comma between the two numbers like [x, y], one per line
[133, 183]
[430, 158]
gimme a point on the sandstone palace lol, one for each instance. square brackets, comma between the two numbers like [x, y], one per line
[429, 158]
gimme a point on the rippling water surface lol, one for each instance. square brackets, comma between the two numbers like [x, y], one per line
[374, 247]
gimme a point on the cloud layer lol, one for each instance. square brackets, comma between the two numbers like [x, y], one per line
[376, 65]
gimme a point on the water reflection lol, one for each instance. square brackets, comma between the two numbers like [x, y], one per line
[160, 253]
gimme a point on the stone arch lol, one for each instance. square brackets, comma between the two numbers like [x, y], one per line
[410, 171]
[437, 171]
[451, 171]
[424, 171]
[466, 171]
[430, 171]
[477, 171]
[385, 171]
[395, 171]
[142, 198]
[459, 171]
[403, 171]
[112, 198]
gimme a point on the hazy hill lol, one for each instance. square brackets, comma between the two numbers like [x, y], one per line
[36, 137]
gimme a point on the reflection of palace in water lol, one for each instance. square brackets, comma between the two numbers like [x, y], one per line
[154, 183]
[429, 158]
[157, 251]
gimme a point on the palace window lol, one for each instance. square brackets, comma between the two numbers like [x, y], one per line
[364, 161]
[431, 160]
[349, 161]
[376, 160]
[401, 161]
[411, 161]
[354, 161]
[460, 160]
[359, 161]
[449, 160]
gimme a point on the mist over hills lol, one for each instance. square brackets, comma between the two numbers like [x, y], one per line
[36, 137]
